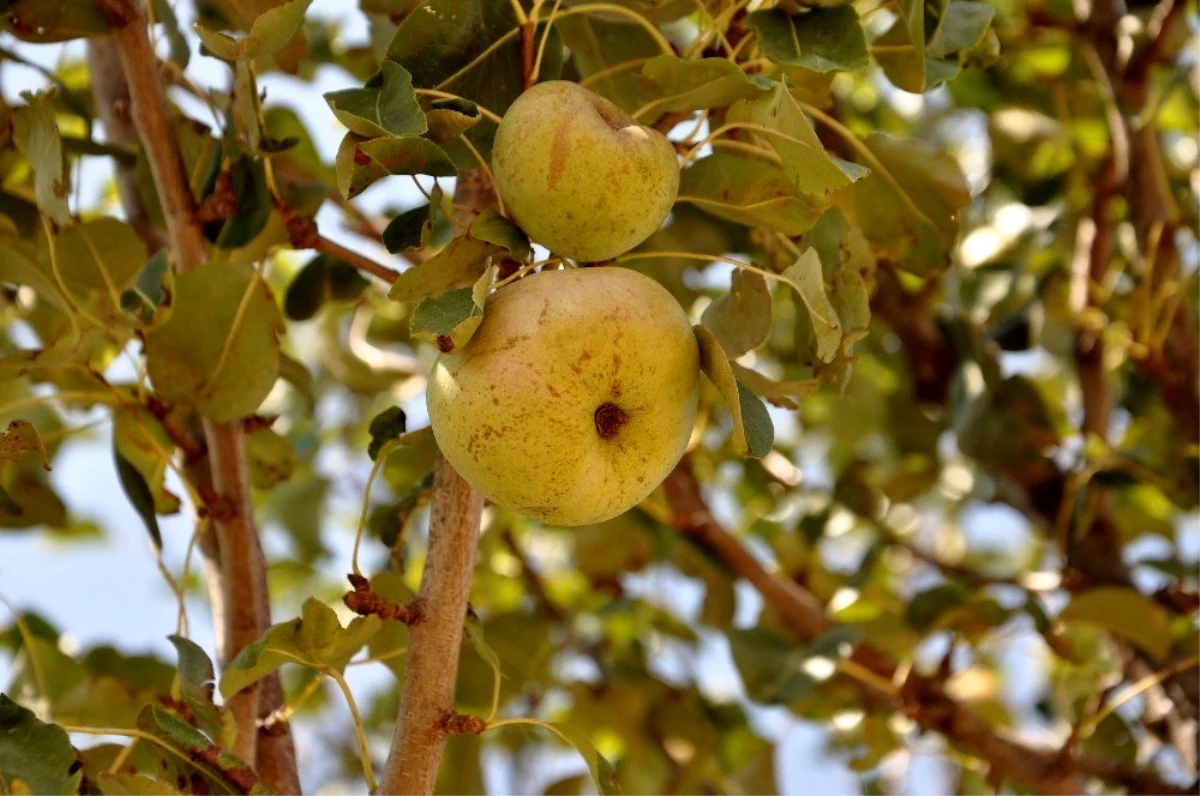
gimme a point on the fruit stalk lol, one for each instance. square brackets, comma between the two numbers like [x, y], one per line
[431, 669]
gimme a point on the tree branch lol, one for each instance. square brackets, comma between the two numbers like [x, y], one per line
[922, 698]
[434, 644]
[242, 573]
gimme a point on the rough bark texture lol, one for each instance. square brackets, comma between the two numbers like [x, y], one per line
[433, 644]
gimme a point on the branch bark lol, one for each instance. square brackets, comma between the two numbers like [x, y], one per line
[431, 669]
[434, 643]
[241, 575]
[922, 698]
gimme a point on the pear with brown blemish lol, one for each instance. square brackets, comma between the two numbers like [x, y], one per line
[579, 175]
[574, 398]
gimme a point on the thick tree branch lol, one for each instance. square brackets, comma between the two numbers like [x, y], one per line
[431, 669]
[242, 572]
[922, 698]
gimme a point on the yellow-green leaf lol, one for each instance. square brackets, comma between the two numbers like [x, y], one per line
[270, 31]
[219, 349]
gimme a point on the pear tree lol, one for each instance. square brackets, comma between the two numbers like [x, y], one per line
[557, 396]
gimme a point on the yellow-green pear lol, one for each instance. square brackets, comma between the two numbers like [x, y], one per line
[574, 398]
[579, 175]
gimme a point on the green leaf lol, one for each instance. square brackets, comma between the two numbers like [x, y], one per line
[164, 14]
[196, 686]
[50, 21]
[602, 45]
[1126, 613]
[447, 320]
[687, 84]
[962, 26]
[140, 440]
[849, 269]
[386, 106]
[103, 255]
[459, 264]
[20, 438]
[222, 769]
[807, 277]
[777, 671]
[8, 505]
[760, 431]
[154, 286]
[410, 230]
[450, 118]
[322, 279]
[269, 33]
[492, 227]
[753, 432]
[751, 192]
[471, 48]
[138, 491]
[603, 775]
[134, 785]
[901, 49]
[35, 131]
[248, 181]
[219, 349]
[741, 318]
[910, 206]
[1008, 427]
[474, 631]
[35, 757]
[385, 427]
[803, 157]
[270, 458]
[821, 39]
[360, 162]
[315, 639]
[36, 500]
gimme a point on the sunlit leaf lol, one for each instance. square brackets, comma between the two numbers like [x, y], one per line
[196, 686]
[270, 32]
[692, 85]
[447, 320]
[385, 106]
[801, 153]
[751, 192]
[35, 131]
[361, 162]
[459, 264]
[1126, 613]
[315, 639]
[741, 318]
[35, 757]
[223, 770]
[219, 350]
[753, 432]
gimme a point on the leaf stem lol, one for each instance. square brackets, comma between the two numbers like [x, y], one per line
[359, 733]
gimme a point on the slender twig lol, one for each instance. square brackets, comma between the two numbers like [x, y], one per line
[359, 261]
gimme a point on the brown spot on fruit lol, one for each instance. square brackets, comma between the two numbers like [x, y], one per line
[609, 419]
[559, 149]
[445, 344]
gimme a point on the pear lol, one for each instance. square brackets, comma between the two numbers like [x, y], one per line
[575, 397]
[579, 175]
